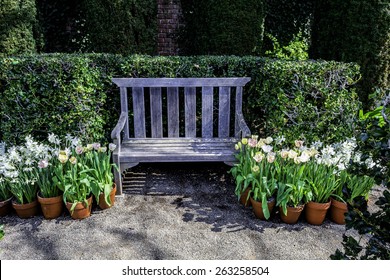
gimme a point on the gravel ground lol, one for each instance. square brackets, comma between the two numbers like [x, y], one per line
[170, 211]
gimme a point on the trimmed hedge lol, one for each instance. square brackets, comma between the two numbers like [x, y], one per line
[73, 93]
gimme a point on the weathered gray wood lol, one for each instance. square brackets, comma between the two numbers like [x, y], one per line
[115, 134]
[139, 112]
[173, 111]
[156, 112]
[131, 151]
[207, 112]
[224, 112]
[125, 110]
[241, 129]
[180, 82]
[190, 111]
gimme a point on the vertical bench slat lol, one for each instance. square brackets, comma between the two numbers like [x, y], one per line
[207, 112]
[237, 129]
[156, 112]
[125, 109]
[190, 111]
[173, 111]
[224, 112]
[139, 112]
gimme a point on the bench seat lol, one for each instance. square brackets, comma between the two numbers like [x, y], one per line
[178, 150]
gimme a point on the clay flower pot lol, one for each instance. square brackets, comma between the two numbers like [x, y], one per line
[26, 210]
[243, 198]
[315, 212]
[5, 207]
[51, 207]
[258, 210]
[102, 202]
[293, 214]
[81, 211]
[337, 211]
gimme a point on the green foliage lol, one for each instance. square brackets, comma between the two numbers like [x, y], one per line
[60, 24]
[74, 94]
[56, 93]
[221, 27]
[1, 232]
[285, 19]
[297, 48]
[304, 100]
[355, 31]
[375, 226]
[373, 142]
[17, 24]
[121, 26]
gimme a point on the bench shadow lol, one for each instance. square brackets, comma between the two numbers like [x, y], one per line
[205, 191]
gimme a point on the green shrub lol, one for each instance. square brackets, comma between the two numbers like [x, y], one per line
[296, 49]
[60, 24]
[51, 93]
[17, 24]
[74, 94]
[221, 27]
[285, 19]
[120, 26]
[355, 31]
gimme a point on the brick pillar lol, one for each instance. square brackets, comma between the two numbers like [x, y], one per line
[168, 16]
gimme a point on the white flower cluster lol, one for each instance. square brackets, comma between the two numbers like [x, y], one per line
[342, 154]
[26, 157]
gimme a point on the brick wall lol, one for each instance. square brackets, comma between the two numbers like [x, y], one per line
[169, 20]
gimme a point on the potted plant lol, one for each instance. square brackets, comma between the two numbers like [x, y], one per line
[76, 182]
[293, 192]
[98, 159]
[19, 164]
[5, 196]
[264, 185]
[349, 189]
[323, 181]
[24, 189]
[241, 170]
[49, 195]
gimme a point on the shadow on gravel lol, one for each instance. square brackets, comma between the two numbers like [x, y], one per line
[204, 190]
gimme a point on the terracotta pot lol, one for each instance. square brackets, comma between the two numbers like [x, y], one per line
[5, 207]
[243, 198]
[337, 211]
[315, 212]
[258, 210]
[102, 202]
[51, 207]
[293, 214]
[80, 211]
[26, 210]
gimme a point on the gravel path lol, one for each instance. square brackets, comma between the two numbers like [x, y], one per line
[170, 211]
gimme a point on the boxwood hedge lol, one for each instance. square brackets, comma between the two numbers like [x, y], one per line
[72, 93]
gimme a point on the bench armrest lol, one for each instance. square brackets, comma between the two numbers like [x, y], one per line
[115, 134]
[243, 126]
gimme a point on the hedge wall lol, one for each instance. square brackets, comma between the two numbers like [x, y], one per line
[355, 31]
[73, 93]
[221, 27]
[17, 25]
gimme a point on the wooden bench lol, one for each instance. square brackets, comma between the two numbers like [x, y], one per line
[175, 129]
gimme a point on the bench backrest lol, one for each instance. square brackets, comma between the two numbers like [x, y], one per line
[190, 87]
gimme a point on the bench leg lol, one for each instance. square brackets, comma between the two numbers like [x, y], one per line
[117, 174]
